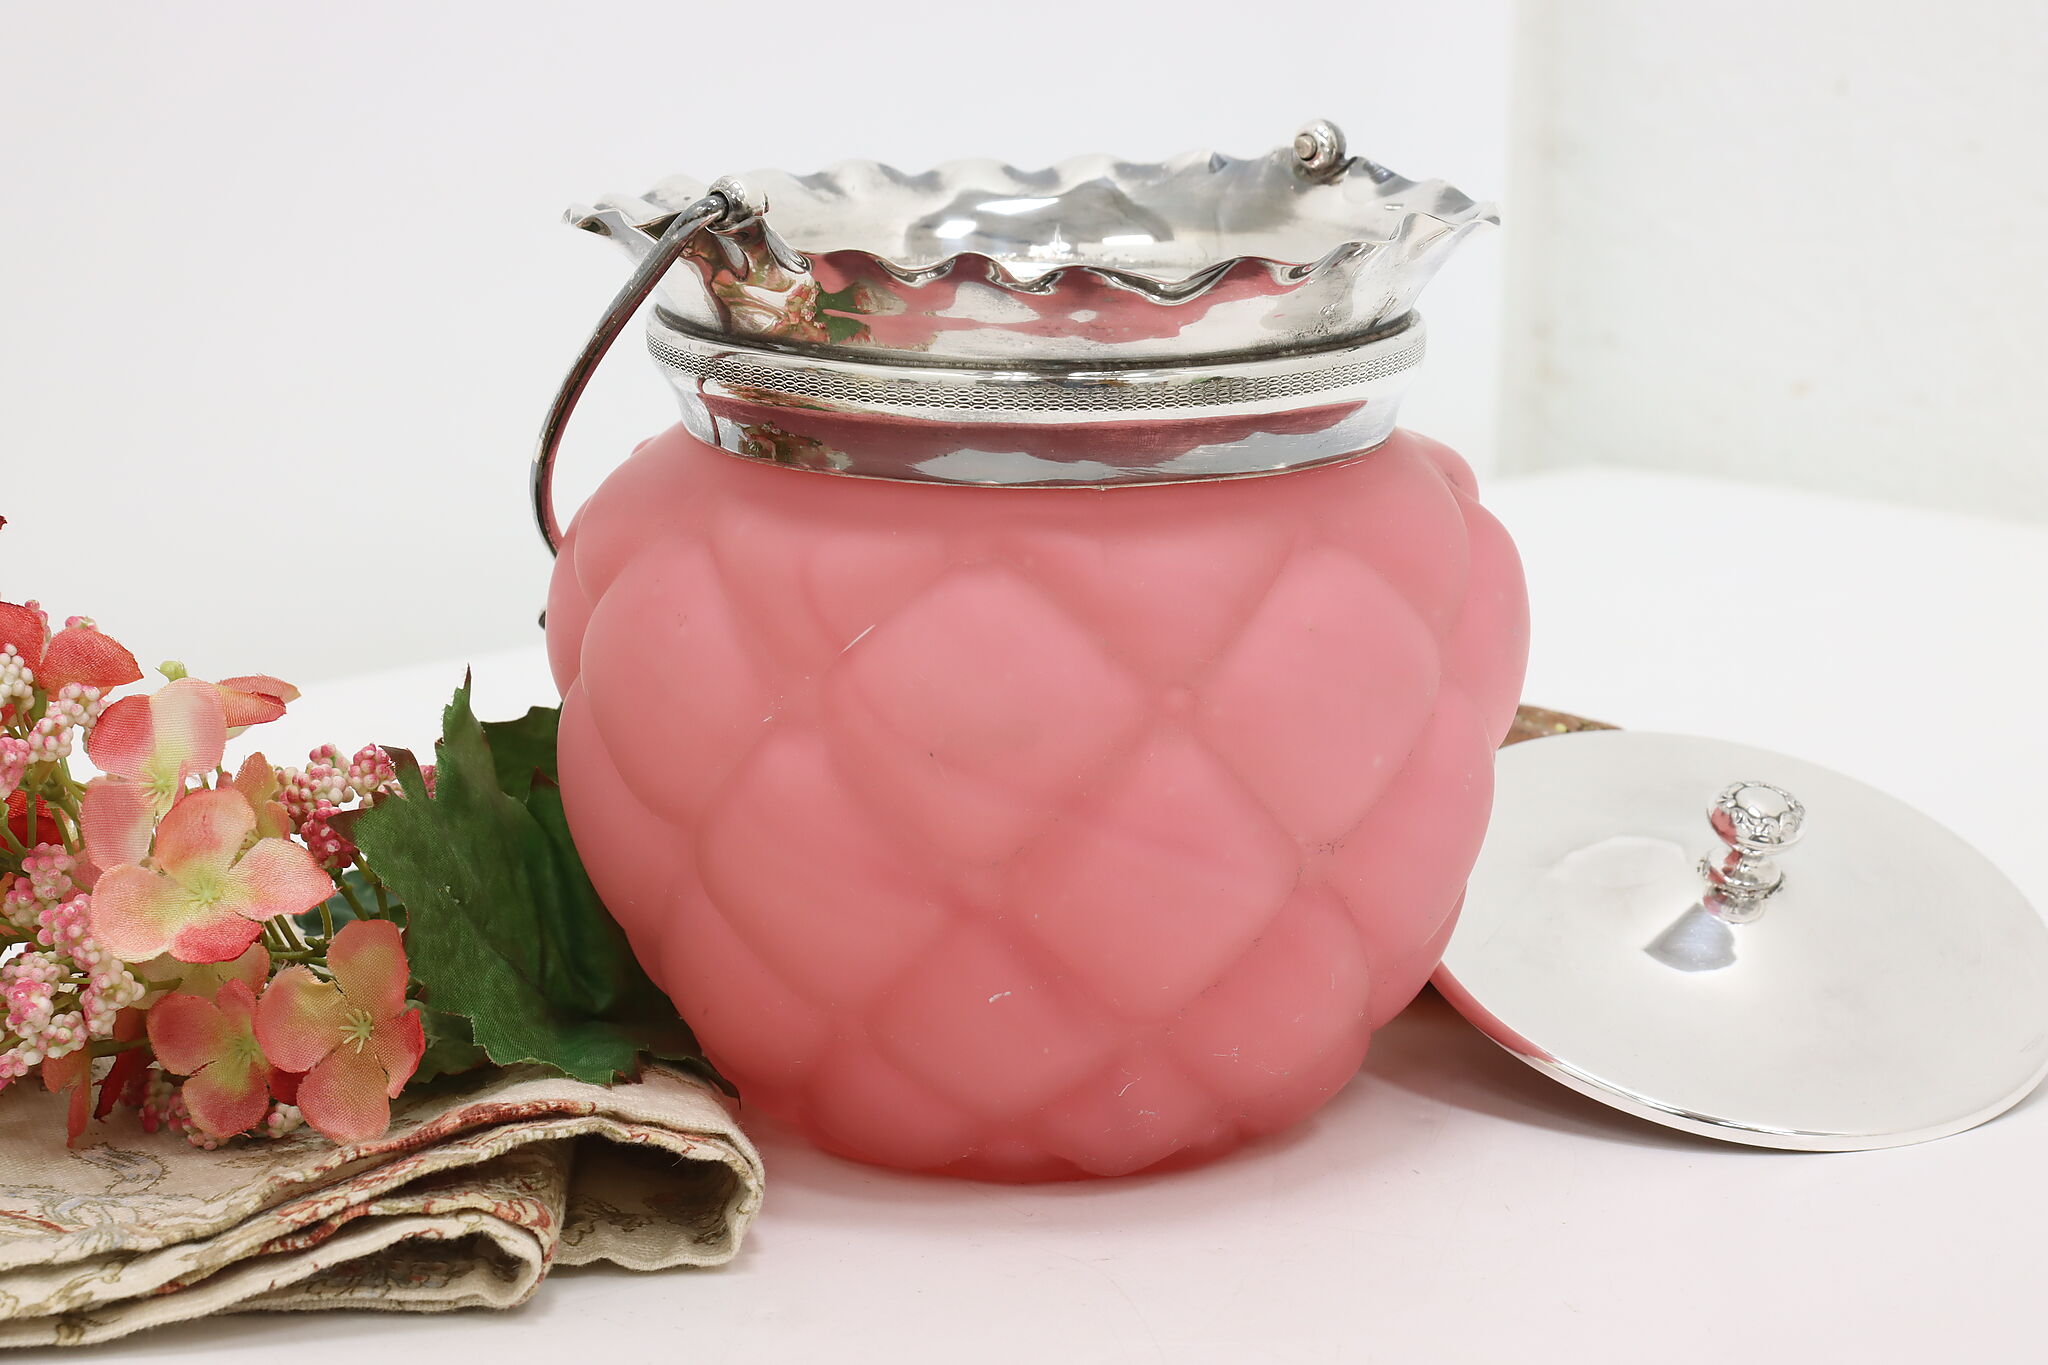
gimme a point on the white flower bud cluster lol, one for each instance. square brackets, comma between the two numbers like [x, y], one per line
[65, 993]
[17, 679]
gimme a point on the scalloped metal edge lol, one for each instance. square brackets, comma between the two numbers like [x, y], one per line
[1439, 202]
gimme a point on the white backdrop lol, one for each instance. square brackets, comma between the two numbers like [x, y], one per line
[284, 290]
[1797, 243]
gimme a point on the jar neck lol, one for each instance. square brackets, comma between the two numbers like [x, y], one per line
[1041, 426]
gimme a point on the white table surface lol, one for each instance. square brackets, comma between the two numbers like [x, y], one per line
[1450, 1205]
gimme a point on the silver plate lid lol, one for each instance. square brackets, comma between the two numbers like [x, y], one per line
[1746, 946]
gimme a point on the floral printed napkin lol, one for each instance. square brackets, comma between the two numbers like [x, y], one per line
[480, 1186]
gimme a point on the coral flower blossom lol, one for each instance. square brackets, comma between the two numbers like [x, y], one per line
[72, 1072]
[354, 1037]
[206, 897]
[213, 1043]
[76, 654]
[130, 1066]
[149, 747]
[22, 627]
[254, 699]
[80, 654]
[258, 784]
[166, 974]
[44, 829]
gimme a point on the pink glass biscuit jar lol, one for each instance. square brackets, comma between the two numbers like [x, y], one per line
[1035, 714]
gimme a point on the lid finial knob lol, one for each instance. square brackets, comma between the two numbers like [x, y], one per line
[1755, 820]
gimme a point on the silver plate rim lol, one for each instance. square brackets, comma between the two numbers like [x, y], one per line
[1630, 1101]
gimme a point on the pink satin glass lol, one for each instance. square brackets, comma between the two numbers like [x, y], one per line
[1029, 834]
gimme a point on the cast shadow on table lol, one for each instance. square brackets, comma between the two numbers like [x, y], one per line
[1431, 1052]
[1428, 1058]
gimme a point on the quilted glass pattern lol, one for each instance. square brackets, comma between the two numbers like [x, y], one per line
[1033, 834]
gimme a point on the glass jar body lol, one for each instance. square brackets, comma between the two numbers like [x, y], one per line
[1027, 833]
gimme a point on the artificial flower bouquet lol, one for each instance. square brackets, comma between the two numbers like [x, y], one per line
[239, 950]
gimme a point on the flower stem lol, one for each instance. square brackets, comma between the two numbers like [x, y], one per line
[354, 903]
[293, 943]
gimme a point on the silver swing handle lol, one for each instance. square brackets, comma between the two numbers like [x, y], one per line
[726, 207]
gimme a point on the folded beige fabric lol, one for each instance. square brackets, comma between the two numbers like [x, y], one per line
[479, 1187]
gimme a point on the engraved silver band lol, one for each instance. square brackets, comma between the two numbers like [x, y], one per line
[1372, 371]
[1039, 427]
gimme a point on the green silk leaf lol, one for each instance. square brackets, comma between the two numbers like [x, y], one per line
[503, 928]
[521, 748]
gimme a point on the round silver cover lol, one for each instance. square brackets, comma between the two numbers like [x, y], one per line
[1747, 946]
